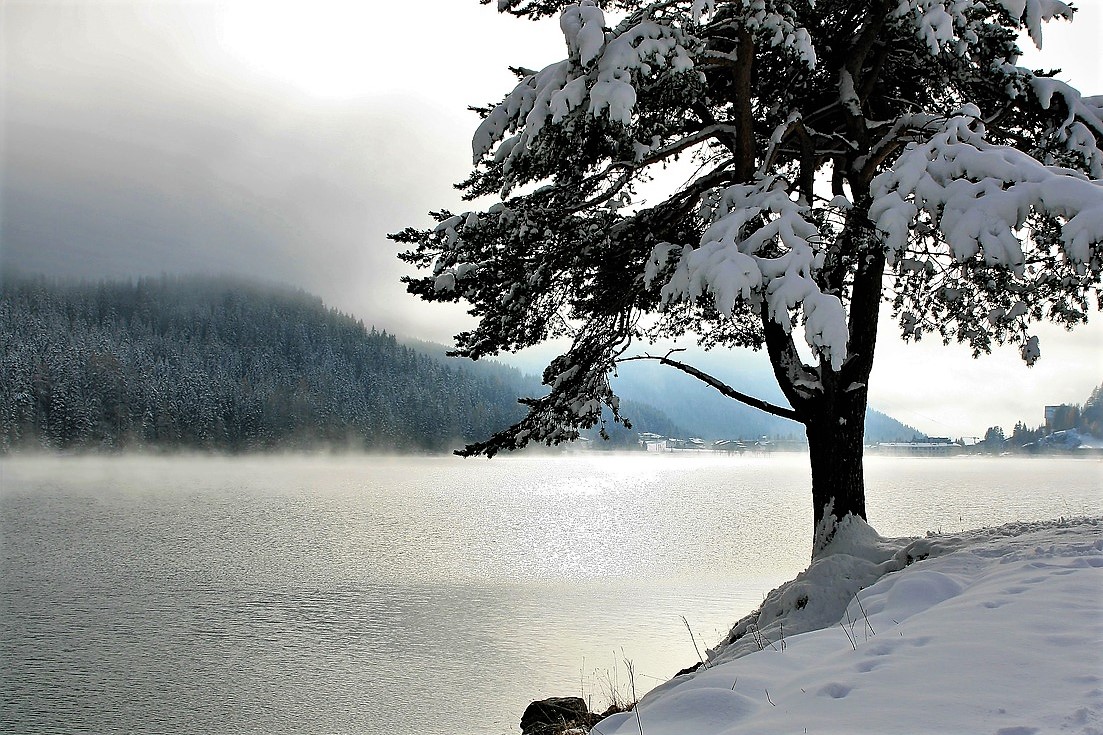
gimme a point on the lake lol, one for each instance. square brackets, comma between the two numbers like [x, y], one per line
[393, 596]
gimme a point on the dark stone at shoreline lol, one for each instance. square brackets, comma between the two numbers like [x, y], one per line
[689, 669]
[555, 714]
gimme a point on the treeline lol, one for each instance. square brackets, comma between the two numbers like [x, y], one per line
[1085, 418]
[199, 363]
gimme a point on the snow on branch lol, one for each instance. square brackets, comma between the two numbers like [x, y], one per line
[774, 23]
[1079, 132]
[701, 8]
[747, 220]
[1032, 13]
[979, 196]
[583, 27]
[951, 24]
[529, 102]
[600, 75]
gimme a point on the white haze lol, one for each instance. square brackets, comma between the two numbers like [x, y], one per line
[283, 141]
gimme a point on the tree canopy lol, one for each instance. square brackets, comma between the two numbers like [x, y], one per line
[844, 154]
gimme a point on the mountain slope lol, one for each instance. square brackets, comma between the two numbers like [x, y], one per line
[691, 403]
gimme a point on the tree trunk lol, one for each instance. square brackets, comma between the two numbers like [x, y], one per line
[836, 435]
[835, 420]
[834, 415]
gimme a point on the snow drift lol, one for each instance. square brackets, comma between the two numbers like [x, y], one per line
[993, 631]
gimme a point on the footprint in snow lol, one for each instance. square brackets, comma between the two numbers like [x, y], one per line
[834, 690]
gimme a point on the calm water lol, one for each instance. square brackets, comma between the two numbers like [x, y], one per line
[435, 595]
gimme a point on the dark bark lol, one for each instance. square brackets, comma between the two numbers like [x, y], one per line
[835, 420]
[786, 363]
[836, 435]
[746, 160]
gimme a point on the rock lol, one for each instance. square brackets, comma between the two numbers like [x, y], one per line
[555, 715]
[689, 669]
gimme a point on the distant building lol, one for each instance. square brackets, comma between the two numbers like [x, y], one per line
[730, 446]
[672, 443]
[659, 443]
[1061, 418]
[933, 447]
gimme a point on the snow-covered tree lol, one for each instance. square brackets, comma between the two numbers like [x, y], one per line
[846, 154]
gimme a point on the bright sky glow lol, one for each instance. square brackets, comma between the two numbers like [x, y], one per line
[301, 46]
[324, 49]
[343, 49]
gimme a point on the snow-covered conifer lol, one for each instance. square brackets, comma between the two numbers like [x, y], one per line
[845, 153]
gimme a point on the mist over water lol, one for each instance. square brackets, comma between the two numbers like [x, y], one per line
[401, 595]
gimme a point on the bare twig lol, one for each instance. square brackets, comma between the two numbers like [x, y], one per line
[635, 700]
[852, 643]
[760, 638]
[693, 638]
[863, 609]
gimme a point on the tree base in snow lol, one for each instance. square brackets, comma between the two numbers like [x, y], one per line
[993, 630]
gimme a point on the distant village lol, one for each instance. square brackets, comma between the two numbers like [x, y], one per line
[921, 446]
[1068, 429]
[658, 443]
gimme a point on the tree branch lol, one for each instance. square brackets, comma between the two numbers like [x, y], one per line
[632, 168]
[862, 85]
[795, 379]
[744, 111]
[699, 136]
[724, 388]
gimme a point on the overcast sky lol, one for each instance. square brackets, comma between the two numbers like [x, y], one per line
[284, 140]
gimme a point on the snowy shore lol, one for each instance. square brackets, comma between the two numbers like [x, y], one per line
[996, 631]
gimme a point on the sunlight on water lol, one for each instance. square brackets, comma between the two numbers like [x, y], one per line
[392, 596]
[911, 496]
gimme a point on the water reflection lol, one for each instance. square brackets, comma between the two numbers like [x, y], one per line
[398, 596]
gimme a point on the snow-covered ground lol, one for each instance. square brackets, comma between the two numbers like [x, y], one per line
[994, 632]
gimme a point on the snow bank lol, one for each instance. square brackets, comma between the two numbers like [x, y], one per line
[993, 631]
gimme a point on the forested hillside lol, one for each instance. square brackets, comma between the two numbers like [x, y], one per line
[217, 364]
[204, 363]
